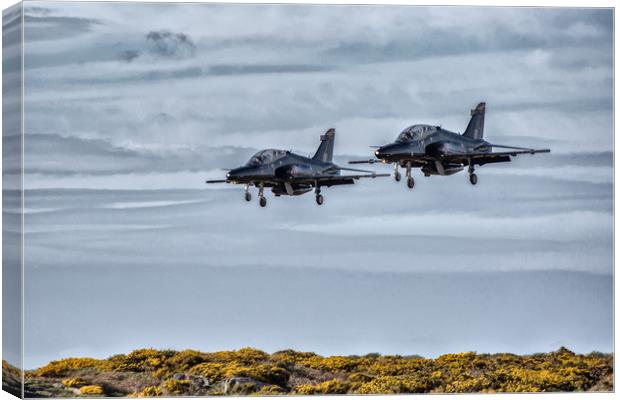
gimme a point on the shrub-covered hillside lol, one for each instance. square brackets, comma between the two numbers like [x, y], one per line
[149, 373]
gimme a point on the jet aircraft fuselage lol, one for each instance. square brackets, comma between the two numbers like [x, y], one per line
[438, 151]
[285, 165]
[431, 141]
[287, 173]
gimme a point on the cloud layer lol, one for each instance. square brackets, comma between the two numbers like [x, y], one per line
[277, 76]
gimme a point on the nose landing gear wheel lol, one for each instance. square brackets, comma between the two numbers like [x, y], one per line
[473, 179]
[319, 199]
[248, 196]
[397, 176]
[262, 201]
[410, 183]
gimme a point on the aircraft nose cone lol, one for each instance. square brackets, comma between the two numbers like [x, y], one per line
[381, 152]
[389, 150]
[236, 173]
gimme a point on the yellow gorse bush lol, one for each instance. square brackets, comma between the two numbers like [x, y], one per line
[138, 360]
[397, 384]
[333, 386]
[176, 386]
[215, 371]
[289, 371]
[333, 364]
[269, 390]
[291, 356]
[149, 391]
[210, 370]
[74, 382]
[61, 367]
[92, 390]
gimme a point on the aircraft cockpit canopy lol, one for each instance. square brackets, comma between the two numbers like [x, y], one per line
[266, 157]
[416, 132]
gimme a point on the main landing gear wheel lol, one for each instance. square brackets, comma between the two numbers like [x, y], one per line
[261, 197]
[396, 173]
[410, 181]
[248, 196]
[473, 179]
[319, 196]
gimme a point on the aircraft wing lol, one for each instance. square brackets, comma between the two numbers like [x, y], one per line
[371, 161]
[331, 180]
[488, 158]
[477, 158]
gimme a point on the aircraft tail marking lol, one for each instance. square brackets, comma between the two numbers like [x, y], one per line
[325, 152]
[475, 128]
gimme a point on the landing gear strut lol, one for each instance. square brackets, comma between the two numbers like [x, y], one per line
[319, 196]
[396, 173]
[248, 195]
[262, 201]
[473, 178]
[410, 181]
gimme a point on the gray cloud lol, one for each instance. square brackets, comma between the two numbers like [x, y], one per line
[265, 69]
[40, 11]
[49, 155]
[129, 55]
[430, 42]
[168, 44]
[45, 27]
[154, 74]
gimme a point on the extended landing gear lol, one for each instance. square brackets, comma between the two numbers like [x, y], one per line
[248, 195]
[473, 178]
[319, 196]
[262, 201]
[410, 181]
[396, 173]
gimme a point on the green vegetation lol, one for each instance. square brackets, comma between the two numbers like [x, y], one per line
[152, 373]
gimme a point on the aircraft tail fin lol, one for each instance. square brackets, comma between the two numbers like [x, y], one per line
[475, 128]
[325, 152]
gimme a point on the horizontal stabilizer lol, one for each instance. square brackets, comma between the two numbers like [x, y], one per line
[526, 149]
[355, 170]
[371, 161]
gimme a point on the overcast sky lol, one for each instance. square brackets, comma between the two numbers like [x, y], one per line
[160, 87]
[162, 96]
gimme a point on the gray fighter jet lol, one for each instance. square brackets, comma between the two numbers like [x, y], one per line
[437, 151]
[287, 173]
